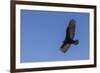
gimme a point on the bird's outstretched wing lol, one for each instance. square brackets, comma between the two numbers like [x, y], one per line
[70, 31]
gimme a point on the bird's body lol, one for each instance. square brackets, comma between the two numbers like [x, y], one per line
[70, 32]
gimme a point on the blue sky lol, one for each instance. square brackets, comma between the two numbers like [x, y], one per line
[42, 33]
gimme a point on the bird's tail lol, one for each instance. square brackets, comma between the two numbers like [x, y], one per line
[76, 42]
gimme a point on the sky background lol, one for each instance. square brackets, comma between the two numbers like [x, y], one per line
[42, 33]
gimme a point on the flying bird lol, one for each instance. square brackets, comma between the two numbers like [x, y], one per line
[69, 38]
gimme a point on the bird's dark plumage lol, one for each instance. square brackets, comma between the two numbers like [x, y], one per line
[70, 33]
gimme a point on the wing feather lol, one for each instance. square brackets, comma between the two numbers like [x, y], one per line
[65, 48]
[72, 29]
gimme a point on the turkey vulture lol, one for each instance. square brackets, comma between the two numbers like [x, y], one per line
[69, 38]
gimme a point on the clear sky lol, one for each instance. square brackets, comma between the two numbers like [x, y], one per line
[42, 33]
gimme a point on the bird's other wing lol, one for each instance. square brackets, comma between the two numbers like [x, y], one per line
[65, 47]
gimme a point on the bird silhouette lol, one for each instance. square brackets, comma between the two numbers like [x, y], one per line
[69, 38]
